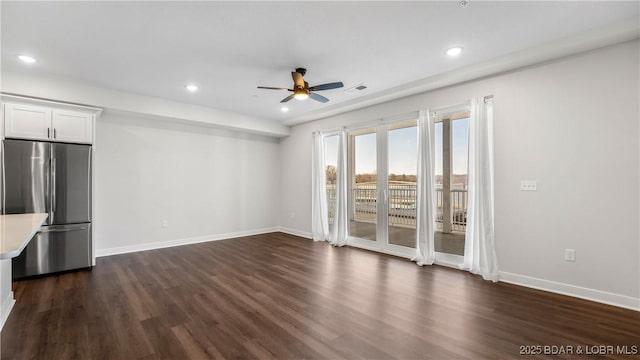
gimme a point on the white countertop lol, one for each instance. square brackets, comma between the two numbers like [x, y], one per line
[16, 231]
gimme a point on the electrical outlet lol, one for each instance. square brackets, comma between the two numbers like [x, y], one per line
[528, 185]
[292, 215]
[570, 255]
[165, 223]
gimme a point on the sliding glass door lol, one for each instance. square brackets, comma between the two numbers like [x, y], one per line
[382, 167]
[382, 195]
[451, 160]
[331, 171]
[363, 204]
[402, 168]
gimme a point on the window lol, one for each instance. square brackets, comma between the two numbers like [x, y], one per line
[331, 161]
[382, 172]
[451, 169]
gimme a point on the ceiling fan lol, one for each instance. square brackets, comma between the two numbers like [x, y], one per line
[301, 89]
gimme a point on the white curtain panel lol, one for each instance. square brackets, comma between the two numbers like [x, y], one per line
[319, 214]
[425, 221]
[479, 250]
[339, 232]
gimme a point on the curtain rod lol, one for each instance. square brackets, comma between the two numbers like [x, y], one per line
[386, 120]
[451, 108]
[332, 130]
[406, 116]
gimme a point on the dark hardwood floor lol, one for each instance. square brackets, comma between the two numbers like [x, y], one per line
[279, 296]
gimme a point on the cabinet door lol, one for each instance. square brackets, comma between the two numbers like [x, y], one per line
[72, 126]
[27, 121]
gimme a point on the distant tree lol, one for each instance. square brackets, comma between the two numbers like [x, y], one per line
[330, 173]
[364, 178]
[403, 177]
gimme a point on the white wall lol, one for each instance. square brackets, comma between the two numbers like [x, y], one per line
[206, 183]
[572, 125]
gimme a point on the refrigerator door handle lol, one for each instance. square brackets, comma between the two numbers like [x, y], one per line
[49, 169]
[45, 230]
[89, 184]
[53, 187]
[3, 189]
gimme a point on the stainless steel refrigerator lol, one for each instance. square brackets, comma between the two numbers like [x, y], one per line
[53, 178]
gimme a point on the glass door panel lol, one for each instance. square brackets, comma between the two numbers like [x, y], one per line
[401, 185]
[460, 165]
[451, 156]
[331, 161]
[364, 189]
[439, 174]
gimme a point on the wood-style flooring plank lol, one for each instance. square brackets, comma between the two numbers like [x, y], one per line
[278, 296]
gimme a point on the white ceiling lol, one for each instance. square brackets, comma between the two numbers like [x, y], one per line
[229, 48]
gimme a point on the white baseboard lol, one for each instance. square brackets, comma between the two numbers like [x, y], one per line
[604, 297]
[5, 308]
[180, 242]
[295, 232]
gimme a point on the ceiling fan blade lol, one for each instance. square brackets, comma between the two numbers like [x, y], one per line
[297, 79]
[273, 88]
[287, 98]
[317, 97]
[329, 86]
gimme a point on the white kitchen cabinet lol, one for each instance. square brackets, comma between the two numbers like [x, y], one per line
[72, 126]
[26, 121]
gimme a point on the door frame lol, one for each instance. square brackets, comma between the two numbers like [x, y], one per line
[442, 258]
[381, 129]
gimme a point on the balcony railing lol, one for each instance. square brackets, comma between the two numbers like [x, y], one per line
[459, 201]
[402, 204]
[331, 201]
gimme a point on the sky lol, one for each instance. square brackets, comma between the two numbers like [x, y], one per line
[403, 145]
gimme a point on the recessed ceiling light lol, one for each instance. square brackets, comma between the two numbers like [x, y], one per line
[27, 59]
[454, 51]
[284, 109]
[191, 87]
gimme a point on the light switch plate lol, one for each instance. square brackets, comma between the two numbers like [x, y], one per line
[528, 185]
[570, 255]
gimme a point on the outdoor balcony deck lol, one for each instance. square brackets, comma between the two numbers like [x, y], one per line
[451, 243]
[402, 215]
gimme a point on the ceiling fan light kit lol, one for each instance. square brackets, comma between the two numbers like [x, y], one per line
[301, 89]
[300, 94]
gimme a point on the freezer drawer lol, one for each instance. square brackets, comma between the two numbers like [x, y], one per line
[55, 248]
